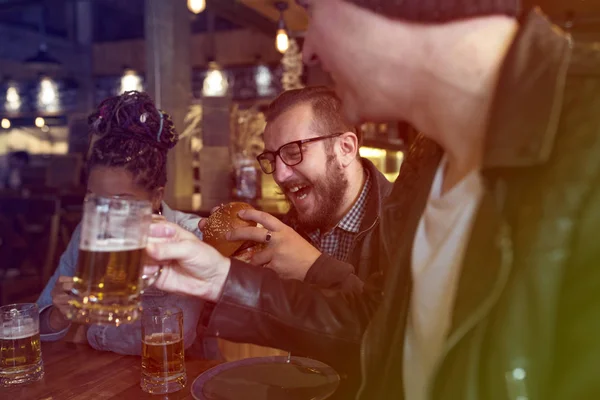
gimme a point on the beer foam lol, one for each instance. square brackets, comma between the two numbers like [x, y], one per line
[160, 339]
[112, 244]
[10, 331]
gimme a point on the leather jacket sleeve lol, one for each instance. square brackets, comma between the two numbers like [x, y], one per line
[258, 307]
[330, 273]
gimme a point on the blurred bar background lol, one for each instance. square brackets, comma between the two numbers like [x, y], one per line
[213, 65]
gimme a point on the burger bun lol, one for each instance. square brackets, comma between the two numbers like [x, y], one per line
[222, 220]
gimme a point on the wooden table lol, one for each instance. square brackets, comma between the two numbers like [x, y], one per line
[78, 372]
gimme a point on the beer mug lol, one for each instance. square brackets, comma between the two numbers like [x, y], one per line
[109, 278]
[20, 351]
[163, 359]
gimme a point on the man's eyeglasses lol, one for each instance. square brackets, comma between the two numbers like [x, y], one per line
[290, 153]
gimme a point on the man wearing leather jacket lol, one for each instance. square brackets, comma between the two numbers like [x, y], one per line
[495, 297]
[335, 195]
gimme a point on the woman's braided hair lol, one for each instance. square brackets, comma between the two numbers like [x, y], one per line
[132, 133]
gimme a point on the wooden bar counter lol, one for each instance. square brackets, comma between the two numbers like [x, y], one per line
[78, 372]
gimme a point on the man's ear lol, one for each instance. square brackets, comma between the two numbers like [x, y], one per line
[348, 148]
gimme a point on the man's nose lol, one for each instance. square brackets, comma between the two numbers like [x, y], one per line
[282, 171]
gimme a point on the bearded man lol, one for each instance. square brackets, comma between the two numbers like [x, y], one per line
[335, 195]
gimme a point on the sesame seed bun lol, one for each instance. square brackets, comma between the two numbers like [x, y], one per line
[223, 220]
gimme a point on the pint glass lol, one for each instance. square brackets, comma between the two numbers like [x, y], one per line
[20, 352]
[163, 364]
[109, 279]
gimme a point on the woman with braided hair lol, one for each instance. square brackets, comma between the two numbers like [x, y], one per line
[130, 139]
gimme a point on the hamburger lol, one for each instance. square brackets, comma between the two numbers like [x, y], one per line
[225, 219]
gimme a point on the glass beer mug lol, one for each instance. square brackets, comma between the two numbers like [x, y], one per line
[109, 278]
[20, 351]
[163, 355]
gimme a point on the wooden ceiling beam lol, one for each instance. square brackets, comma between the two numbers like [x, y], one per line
[239, 14]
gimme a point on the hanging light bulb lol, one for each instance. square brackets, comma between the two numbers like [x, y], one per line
[131, 81]
[40, 122]
[48, 95]
[196, 6]
[48, 91]
[215, 83]
[263, 79]
[282, 40]
[13, 99]
[5, 123]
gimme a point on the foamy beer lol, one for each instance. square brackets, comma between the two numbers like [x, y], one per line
[20, 352]
[109, 279]
[163, 358]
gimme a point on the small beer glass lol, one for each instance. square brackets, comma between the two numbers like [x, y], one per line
[109, 279]
[163, 363]
[20, 351]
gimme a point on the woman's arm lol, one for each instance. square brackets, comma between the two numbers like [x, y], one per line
[53, 326]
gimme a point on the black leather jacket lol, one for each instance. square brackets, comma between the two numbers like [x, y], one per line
[327, 272]
[526, 317]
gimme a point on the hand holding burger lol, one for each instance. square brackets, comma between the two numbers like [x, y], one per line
[223, 220]
[238, 230]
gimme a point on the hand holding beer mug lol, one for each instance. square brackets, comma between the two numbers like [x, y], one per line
[109, 280]
[20, 352]
[163, 363]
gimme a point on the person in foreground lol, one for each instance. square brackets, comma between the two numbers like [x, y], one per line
[127, 159]
[496, 295]
[335, 195]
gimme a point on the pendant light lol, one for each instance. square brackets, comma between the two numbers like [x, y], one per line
[282, 40]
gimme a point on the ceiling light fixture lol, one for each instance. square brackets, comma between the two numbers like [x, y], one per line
[13, 99]
[48, 95]
[215, 83]
[196, 6]
[42, 60]
[131, 81]
[282, 40]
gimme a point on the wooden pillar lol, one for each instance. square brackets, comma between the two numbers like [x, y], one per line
[81, 29]
[168, 80]
[84, 24]
[216, 181]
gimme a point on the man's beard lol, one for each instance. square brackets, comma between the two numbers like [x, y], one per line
[329, 194]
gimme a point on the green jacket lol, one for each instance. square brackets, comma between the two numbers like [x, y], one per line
[525, 322]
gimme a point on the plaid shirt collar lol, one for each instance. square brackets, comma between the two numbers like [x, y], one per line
[352, 220]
